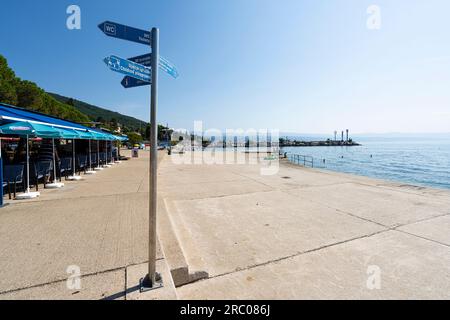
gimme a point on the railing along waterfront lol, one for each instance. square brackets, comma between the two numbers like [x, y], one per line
[301, 159]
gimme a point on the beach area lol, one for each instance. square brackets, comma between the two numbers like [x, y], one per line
[228, 232]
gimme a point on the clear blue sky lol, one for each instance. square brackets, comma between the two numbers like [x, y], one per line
[298, 66]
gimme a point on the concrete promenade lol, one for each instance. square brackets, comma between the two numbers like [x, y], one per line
[307, 234]
[228, 232]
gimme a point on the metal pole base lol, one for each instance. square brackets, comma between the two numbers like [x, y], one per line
[55, 185]
[145, 284]
[28, 195]
[74, 178]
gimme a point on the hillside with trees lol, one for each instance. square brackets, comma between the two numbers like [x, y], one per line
[28, 95]
[104, 117]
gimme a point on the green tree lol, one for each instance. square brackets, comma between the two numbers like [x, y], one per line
[7, 93]
[8, 81]
[134, 138]
[113, 123]
[29, 96]
[70, 102]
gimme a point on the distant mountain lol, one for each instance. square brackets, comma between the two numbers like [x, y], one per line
[101, 114]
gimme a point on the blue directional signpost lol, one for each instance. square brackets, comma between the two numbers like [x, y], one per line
[145, 60]
[142, 71]
[168, 67]
[116, 30]
[129, 68]
[129, 82]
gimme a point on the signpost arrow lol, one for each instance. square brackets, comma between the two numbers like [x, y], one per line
[129, 68]
[164, 64]
[129, 82]
[146, 60]
[168, 67]
[120, 31]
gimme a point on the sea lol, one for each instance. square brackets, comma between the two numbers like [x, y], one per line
[418, 160]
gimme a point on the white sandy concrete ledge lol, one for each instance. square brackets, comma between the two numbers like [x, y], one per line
[307, 234]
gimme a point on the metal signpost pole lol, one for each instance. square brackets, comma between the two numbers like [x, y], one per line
[153, 280]
[1, 175]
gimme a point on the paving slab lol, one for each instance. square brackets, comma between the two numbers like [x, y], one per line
[188, 175]
[99, 188]
[436, 229]
[388, 207]
[235, 232]
[289, 177]
[389, 265]
[212, 189]
[107, 285]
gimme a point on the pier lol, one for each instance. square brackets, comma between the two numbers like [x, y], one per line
[347, 142]
[324, 143]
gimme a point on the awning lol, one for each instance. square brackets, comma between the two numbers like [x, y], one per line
[30, 129]
[67, 129]
[15, 114]
[69, 134]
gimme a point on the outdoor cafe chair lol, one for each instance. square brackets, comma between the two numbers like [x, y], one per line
[13, 175]
[103, 158]
[93, 160]
[82, 163]
[65, 168]
[34, 176]
[43, 171]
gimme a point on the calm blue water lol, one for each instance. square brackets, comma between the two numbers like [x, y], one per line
[410, 160]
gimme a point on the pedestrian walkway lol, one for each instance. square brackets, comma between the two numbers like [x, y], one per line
[99, 224]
